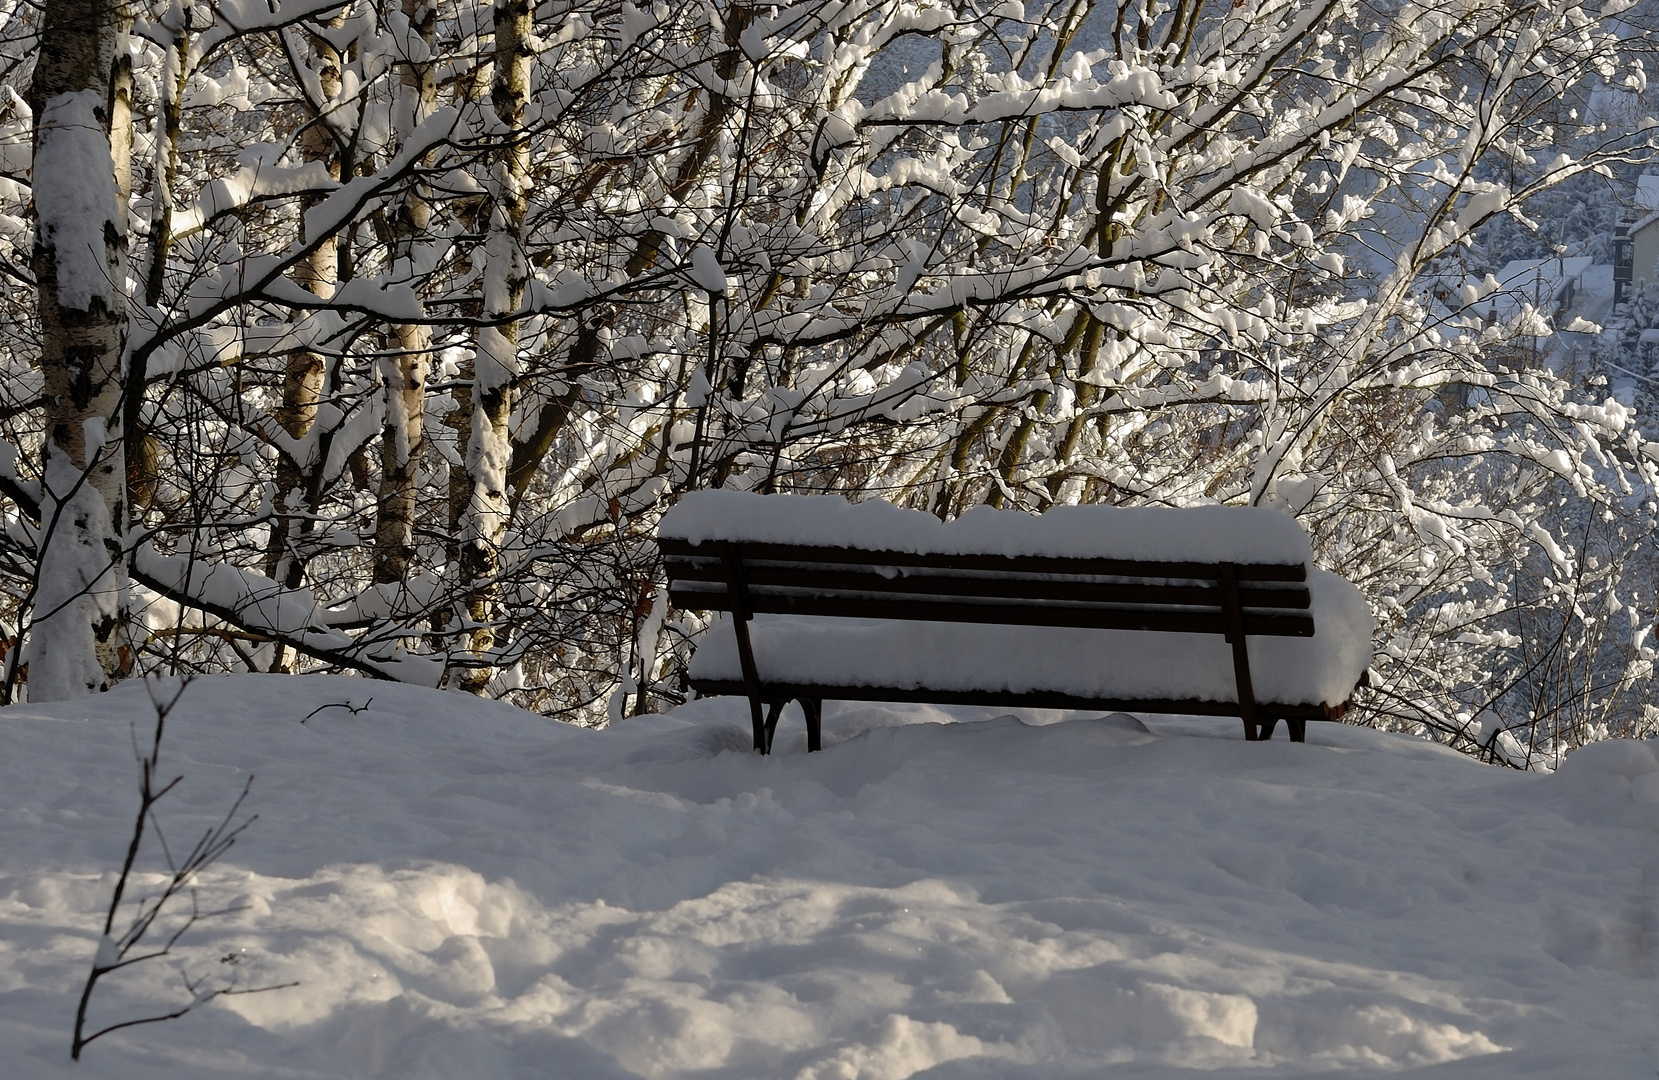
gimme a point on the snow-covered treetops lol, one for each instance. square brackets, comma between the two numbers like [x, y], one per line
[376, 336]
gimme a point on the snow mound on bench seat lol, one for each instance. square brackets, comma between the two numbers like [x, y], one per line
[1127, 664]
[1209, 534]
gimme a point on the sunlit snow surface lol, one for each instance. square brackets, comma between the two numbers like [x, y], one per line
[464, 890]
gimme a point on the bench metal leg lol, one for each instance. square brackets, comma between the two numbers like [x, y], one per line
[814, 709]
[732, 557]
[774, 710]
[1257, 725]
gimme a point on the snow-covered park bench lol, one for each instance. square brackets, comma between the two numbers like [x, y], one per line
[1212, 611]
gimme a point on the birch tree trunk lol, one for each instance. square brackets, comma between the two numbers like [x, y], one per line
[489, 445]
[141, 443]
[472, 86]
[305, 370]
[404, 373]
[80, 95]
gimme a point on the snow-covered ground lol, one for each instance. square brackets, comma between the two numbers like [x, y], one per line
[464, 890]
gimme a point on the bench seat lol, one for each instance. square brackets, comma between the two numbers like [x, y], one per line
[1109, 668]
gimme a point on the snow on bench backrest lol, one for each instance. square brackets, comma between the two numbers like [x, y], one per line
[1205, 534]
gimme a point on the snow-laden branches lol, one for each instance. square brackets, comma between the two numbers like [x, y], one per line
[442, 303]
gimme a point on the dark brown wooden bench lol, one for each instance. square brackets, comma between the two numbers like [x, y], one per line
[1233, 600]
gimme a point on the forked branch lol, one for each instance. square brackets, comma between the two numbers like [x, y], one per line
[136, 944]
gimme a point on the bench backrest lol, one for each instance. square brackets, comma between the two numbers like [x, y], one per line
[1112, 594]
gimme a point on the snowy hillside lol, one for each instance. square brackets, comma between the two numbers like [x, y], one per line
[464, 890]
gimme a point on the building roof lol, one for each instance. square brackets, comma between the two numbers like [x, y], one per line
[1647, 193]
[1538, 282]
[1549, 275]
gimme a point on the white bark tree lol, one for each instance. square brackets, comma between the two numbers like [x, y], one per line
[505, 272]
[77, 634]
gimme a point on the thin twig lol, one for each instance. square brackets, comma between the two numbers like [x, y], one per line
[115, 953]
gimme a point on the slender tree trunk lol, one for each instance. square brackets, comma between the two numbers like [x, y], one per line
[1086, 394]
[489, 447]
[81, 98]
[302, 381]
[404, 374]
[472, 87]
[141, 445]
[305, 371]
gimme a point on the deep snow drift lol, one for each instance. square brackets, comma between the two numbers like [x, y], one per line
[464, 890]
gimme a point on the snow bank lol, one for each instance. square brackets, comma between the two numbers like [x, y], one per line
[1187, 534]
[465, 890]
[1616, 781]
[1321, 669]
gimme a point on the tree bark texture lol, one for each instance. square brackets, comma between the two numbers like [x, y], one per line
[81, 167]
[489, 447]
[405, 372]
[305, 370]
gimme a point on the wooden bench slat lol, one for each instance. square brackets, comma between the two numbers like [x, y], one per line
[1043, 564]
[1046, 614]
[1023, 588]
